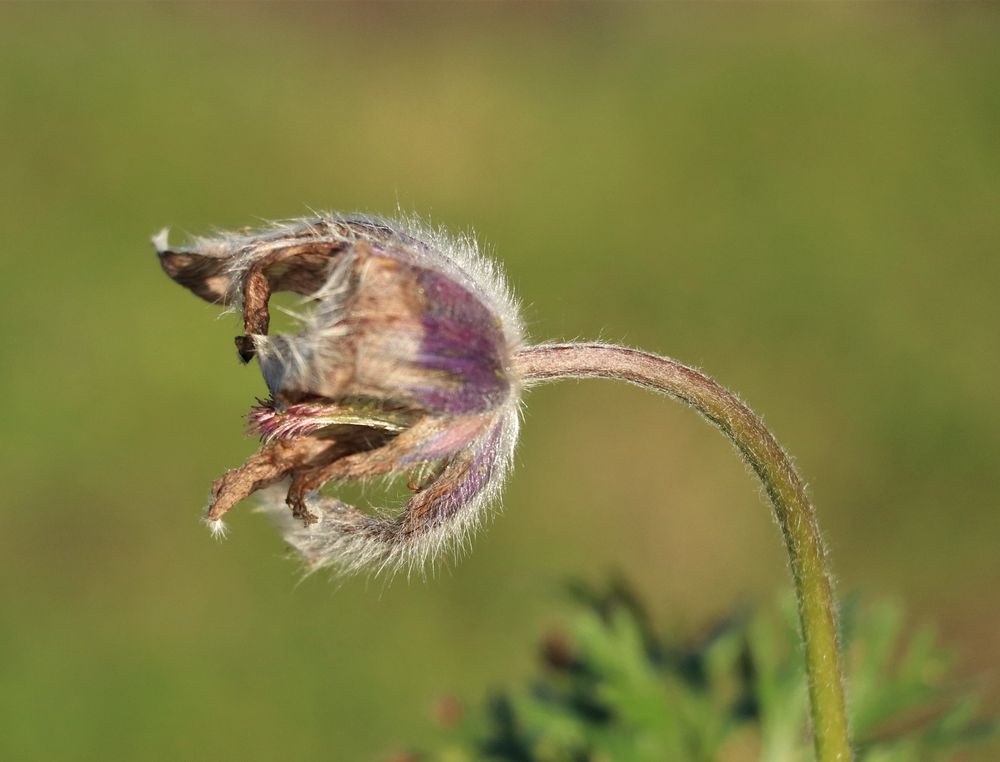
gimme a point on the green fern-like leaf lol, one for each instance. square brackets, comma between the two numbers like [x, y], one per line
[611, 690]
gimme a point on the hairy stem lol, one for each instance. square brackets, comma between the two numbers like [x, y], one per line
[794, 512]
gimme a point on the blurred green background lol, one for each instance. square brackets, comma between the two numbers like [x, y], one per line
[801, 201]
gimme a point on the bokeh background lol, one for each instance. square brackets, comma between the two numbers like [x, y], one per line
[801, 201]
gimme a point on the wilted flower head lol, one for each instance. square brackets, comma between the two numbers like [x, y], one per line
[402, 364]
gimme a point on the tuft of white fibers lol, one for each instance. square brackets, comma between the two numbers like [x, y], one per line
[217, 527]
[161, 240]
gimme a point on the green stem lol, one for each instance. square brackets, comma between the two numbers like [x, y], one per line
[794, 512]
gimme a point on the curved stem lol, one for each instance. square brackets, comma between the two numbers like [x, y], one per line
[795, 514]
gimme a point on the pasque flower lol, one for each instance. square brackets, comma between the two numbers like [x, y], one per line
[402, 365]
[411, 359]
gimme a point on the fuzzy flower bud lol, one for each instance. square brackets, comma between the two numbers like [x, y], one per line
[402, 364]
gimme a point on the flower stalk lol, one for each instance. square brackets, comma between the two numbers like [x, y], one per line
[794, 513]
